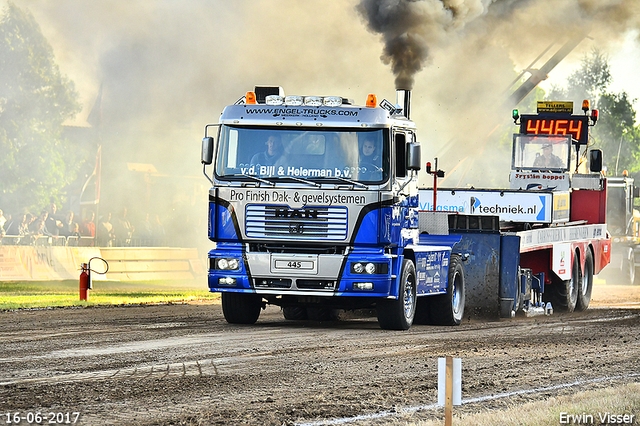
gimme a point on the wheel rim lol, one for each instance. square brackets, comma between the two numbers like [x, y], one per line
[457, 297]
[573, 283]
[408, 297]
[585, 279]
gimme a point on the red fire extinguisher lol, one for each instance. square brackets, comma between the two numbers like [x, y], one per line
[85, 277]
[85, 280]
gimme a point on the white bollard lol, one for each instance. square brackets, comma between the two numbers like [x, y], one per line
[456, 381]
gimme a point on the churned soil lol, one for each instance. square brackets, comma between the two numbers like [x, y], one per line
[184, 365]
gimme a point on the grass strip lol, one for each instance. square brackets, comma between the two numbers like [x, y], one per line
[24, 295]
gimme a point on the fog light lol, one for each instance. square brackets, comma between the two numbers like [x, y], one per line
[358, 268]
[363, 286]
[227, 281]
[370, 268]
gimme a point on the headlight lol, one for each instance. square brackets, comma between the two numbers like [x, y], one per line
[370, 268]
[229, 263]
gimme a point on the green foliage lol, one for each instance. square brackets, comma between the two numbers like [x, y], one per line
[616, 132]
[35, 99]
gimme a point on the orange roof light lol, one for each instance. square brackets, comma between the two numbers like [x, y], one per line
[625, 173]
[250, 98]
[585, 105]
[372, 100]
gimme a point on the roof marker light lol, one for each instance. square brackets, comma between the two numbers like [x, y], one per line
[332, 101]
[312, 101]
[515, 114]
[250, 98]
[274, 100]
[594, 115]
[372, 100]
[293, 100]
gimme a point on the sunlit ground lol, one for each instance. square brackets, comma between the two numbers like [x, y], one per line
[40, 294]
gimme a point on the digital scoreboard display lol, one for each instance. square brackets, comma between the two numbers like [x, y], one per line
[575, 125]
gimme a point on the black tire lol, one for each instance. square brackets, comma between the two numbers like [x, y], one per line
[564, 294]
[586, 283]
[448, 309]
[315, 313]
[629, 268]
[422, 311]
[294, 313]
[398, 314]
[241, 308]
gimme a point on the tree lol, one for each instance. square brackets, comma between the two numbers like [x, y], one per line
[615, 133]
[36, 162]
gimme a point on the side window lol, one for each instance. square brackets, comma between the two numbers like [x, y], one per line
[401, 155]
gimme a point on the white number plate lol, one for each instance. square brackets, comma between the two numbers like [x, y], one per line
[294, 264]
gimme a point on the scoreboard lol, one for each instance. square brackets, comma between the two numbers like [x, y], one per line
[555, 124]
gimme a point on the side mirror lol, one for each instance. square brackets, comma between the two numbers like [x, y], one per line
[207, 150]
[413, 156]
[595, 161]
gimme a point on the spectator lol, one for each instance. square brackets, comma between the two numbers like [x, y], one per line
[105, 231]
[53, 225]
[123, 229]
[3, 219]
[37, 229]
[11, 228]
[75, 232]
[144, 232]
[38, 226]
[68, 224]
[88, 229]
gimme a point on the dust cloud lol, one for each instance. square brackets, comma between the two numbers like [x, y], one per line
[168, 68]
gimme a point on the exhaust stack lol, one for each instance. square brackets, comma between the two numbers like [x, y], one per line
[403, 100]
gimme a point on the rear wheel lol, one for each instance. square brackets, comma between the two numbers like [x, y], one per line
[398, 314]
[448, 309]
[565, 293]
[322, 314]
[241, 308]
[586, 283]
[294, 313]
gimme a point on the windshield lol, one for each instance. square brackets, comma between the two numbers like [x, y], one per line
[541, 152]
[265, 152]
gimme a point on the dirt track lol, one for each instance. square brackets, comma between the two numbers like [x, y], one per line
[182, 364]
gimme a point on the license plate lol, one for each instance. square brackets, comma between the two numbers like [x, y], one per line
[294, 264]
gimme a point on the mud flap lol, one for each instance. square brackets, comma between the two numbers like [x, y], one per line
[482, 273]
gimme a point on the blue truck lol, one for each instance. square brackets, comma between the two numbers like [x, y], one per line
[315, 207]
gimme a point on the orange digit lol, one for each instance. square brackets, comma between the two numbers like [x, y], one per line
[535, 130]
[575, 131]
[547, 130]
[561, 127]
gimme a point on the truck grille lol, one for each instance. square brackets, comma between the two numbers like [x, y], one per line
[268, 221]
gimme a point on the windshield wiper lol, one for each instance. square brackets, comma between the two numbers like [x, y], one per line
[257, 179]
[352, 182]
[297, 179]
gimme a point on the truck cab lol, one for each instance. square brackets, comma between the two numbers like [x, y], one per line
[312, 198]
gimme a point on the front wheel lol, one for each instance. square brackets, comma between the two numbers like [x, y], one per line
[398, 314]
[586, 284]
[241, 308]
